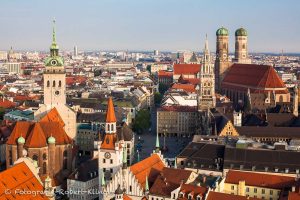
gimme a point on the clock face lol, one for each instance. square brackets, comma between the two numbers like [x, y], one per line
[57, 92]
[53, 62]
[107, 155]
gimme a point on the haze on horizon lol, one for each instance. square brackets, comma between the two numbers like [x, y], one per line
[166, 25]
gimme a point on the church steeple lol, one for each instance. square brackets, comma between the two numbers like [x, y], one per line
[157, 148]
[110, 127]
[54, 47]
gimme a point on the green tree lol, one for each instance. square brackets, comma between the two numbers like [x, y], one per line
[142, 121]
[163, 88]
[157, 98]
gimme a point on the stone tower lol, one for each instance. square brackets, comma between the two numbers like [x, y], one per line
[55, 89]
[54, 76]
[222, 63]
[206, 97]
[241, 47]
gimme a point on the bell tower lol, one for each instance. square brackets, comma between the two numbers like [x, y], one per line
[241, 46]
[222, 63]
[206, 97]
[54, 76]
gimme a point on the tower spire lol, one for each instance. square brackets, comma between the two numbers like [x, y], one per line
[206, 44]
[53, 33]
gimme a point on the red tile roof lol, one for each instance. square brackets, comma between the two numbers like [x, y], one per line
[165, 74]
[189, 88]
[178, 108]
[186, 68]
[253, 76]
[37, 133]
[110, 113]
[168, 180]
[194, 190]
[19, 178]
[53, 116]
[4, 103]
[259, 179]
[194, 81]
[294, 196]
[222, 196]
[125, 197]
[151, 167]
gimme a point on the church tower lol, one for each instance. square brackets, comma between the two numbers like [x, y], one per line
[206, 95]
[55, 90]
[241, 46]
[110, 150]
[222, 63]
[54, 76]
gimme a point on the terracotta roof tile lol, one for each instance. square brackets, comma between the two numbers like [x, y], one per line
[253, 76]
[125, 197]
[186, 68]
[110, 114]
[151, 167]
[294, 196]
[189, 88]
[259, 179]
[37, 133]
[4, 103]
[165, 74]
[217, 195]
[193, 190]
[53, 116]
[20, 177]
[36, 137]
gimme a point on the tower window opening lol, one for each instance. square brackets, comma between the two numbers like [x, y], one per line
[59, 83]
[48, 83]
[53, 84]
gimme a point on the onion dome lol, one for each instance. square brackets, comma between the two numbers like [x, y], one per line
[51, 140]
[241, 32]
[222, 32]
[21, 140]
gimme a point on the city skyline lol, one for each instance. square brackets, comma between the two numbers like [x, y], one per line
[133, 25]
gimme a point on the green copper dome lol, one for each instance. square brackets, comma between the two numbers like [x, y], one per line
[222, 31]
[241, 32]
[21, 140]
[51, 140]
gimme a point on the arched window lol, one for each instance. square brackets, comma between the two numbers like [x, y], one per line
[48, 83]
[108, 127]
[244, 46]
[53, 84]
[59, 83]
[44, 156]
[224, 46]
[45, 167]
[112, 127]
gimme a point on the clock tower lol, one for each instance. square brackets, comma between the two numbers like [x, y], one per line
[110, 149]
[54, 76]
[55, 90]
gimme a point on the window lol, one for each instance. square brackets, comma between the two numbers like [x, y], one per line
[59, 83]
[263, 191]
[232, 187]
[35, 157]
[45, 167]
[271, 192]
[103, 160]
[44, 156]
[111, 170]
[255, 190]
[53, 84]
[48, 83]
[65, 153]
[247, 189]
[111, 161]
[130, 188]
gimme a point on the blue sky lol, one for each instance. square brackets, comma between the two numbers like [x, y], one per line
[148, 24]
